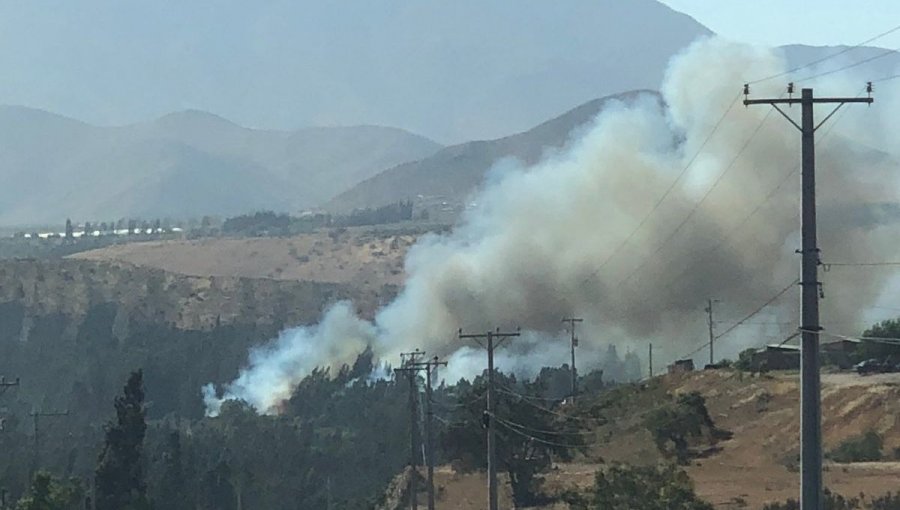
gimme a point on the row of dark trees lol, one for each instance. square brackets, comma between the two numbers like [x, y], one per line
[270, 223]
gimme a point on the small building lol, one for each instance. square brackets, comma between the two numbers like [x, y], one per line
[839, 352]
[776, 357]
[681, 366]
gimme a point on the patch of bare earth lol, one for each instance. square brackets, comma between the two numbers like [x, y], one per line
[354, 257]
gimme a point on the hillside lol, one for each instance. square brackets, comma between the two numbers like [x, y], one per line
[359, 257]
[757, 465]
[185, 164]
[454, 172]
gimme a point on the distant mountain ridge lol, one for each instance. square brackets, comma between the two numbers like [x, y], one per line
[184, 164]
[455, 171]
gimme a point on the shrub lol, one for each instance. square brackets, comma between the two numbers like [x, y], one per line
[624, 487]
[832, 502]
[864, 448]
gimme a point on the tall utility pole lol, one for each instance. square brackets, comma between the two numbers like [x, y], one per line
[408, 366]
[572, 321]
[810, 391]
[490, 336]
[35, 416]
[712, 336]
[430, 368]
[651, 360]
[430, 372]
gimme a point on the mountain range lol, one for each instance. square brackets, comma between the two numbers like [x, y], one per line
[504, 72]
[185, 164]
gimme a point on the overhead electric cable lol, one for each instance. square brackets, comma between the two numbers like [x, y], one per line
[761, 308]
[825, 58]
[666, 193]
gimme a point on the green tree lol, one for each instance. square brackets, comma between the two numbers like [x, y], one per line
[529, 432]
[119, 476]
[680, 422]
[47, 493]
[869, 349]
[173, 484]
[623, 487]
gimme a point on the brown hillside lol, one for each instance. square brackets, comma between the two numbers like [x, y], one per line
[757, 465]
[357, 257]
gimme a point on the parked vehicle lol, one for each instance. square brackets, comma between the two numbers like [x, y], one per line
[869, 366]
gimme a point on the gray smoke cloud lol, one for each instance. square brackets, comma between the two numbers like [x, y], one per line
[546, 242]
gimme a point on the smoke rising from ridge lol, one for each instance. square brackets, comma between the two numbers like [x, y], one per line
[547, 241]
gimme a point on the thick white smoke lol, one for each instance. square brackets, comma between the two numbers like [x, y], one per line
[544, 242]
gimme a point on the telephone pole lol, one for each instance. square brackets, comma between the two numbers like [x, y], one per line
[35, 416]
[572, 321]
[491, 336]
[651, 360]
[811, 497]
[709, 319]
[431, 368]
[5, 385]
[408, 366]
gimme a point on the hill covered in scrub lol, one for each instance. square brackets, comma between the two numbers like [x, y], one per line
[751, 463]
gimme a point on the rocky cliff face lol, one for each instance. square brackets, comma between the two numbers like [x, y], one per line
[73, 287]
[73, 329]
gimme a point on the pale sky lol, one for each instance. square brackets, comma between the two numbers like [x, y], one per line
[778, 22]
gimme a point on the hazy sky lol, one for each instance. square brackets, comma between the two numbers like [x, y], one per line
[450, 70]
[777, 22]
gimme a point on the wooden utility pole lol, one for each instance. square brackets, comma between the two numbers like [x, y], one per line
[574, 341]
[35, 416]
[408, 366]
[811, 497]
[431, 368]
[491, 336]
[709, 320]
[651, 360]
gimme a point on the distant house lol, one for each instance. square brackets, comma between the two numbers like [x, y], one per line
[839, 352]
[776, 357]
[681, 366]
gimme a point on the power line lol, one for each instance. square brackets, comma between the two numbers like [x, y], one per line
[827, 57]
[554, 432]
[761, 308]
[526, 398]
[850, 66]
[513, 427]
[727, 241]
[697, 205]
[828, 265]
[667, 192]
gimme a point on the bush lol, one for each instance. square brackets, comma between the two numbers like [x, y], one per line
[676, 424]
[624, 487]
[832, 502]
[864, 448]
[745, 360]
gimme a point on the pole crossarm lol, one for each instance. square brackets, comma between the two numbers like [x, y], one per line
[815, 100]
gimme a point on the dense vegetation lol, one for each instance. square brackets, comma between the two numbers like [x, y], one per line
[864, 448]
[339, 429]
[269, 223]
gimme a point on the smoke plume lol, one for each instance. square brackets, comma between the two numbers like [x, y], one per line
[572, 236]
